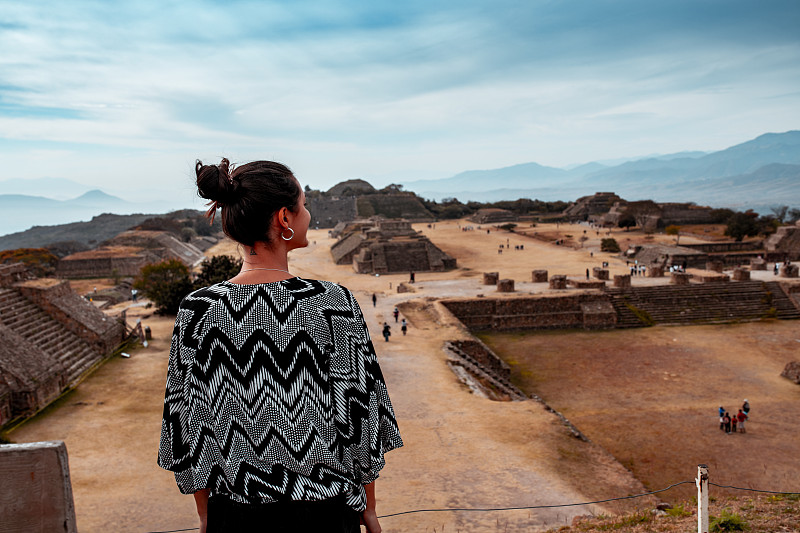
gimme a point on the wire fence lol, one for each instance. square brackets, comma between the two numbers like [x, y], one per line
[553, 506]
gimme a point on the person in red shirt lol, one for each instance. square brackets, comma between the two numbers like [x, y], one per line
[741, 416]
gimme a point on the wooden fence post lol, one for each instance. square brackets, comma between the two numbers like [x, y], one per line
[702, 498]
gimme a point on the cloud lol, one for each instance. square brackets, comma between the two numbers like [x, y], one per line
[347, 88]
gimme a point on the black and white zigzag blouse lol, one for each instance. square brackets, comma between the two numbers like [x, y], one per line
[274, 393]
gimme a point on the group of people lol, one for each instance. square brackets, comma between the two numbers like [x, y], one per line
[387, 329]
[777, 267]
[730, 423]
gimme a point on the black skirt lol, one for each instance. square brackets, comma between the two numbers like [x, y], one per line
[325, 516]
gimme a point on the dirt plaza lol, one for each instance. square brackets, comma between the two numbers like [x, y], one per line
[461, 450]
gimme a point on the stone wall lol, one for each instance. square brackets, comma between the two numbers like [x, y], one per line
[485, 357]
[77, 267]
[725, 247]
[547, 312]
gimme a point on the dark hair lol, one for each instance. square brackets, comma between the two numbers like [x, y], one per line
[249, 196]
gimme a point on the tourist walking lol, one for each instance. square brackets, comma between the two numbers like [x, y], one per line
[404, 327]
[374, 299]
[734, 421]
[387, 332]
[727, 422]
[721, 418]
[259, 446]
[396, 314]
[746, 407]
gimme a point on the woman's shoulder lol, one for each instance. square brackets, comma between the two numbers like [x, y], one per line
[204, 297]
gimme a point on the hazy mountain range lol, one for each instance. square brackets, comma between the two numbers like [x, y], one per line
[757, 174]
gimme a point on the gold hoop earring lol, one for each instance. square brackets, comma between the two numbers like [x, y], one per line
[290, 236]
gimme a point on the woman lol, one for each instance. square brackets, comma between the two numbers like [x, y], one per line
[276, 415]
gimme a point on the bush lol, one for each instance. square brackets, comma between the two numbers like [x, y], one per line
[165, 284]
[217, 269]
[508, 227]
[727, 521]
[40, 261]
[609, 245]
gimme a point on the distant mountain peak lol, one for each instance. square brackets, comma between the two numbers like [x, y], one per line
[96, 195]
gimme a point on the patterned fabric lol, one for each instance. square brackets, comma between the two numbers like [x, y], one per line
[274, 393]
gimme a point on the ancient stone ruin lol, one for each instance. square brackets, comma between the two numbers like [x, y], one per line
[126, 254]
[381, 246]
[586, 206]
[505, 285]
[493, 216]
[49, 338]
[785, 243]
[539, 276]
[490, 278]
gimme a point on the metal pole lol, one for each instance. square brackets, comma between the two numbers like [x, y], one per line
[702, 498]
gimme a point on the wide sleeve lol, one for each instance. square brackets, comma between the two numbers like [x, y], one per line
[379, 431]
[175, 448]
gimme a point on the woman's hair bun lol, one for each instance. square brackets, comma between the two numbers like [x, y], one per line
[215, 183]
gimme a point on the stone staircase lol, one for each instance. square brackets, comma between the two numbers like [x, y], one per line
[34, 325]
[709, 303]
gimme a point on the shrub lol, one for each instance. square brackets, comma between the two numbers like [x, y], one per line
[165, 283]
[40, 261]
[679, 511]
[727, 521]
[216, 269]
[609, 245]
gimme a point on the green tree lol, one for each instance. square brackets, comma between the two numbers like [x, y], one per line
[165, 284]
[742, 225]
[216, 269]
[794, 215]
[627, 221]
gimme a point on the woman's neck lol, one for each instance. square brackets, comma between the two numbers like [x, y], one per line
[263, 265]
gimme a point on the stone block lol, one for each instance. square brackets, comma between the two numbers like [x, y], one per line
[792, 371]
[539, 276]
[680, 278]
[741, 274]
[405, 287]
[715, 266]
[758, 264]
[505, 285]
[558, 282]
[622, 280]
[789, 271]
[490, 278]
[36, 492]
[600, 273]
[655, 272]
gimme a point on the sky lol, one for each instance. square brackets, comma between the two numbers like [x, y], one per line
[126, 95]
